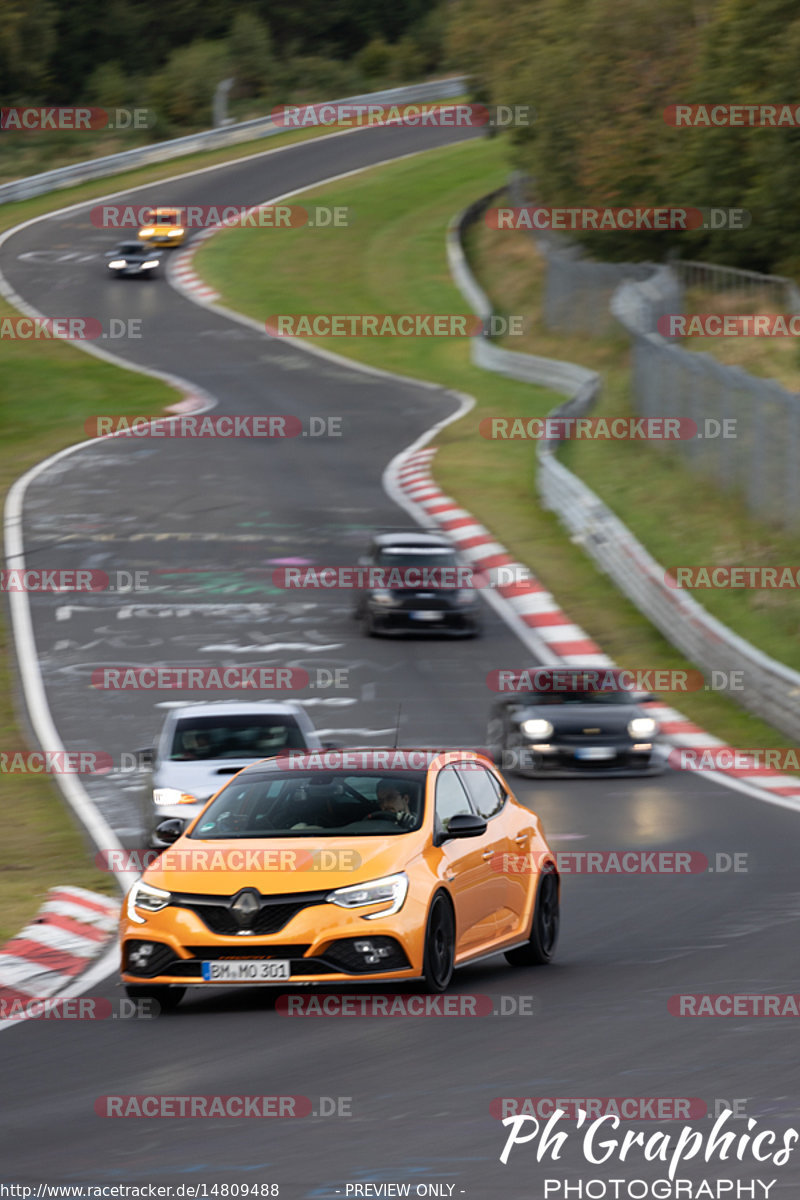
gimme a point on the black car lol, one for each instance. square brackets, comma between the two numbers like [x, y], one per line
[133, 258]
[575, 731]
[414, 587]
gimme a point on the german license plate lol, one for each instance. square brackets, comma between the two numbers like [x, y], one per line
[258, 970]
[426, 616]
[596, 753]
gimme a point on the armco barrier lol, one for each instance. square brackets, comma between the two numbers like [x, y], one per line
[771, 689]
[210, 139]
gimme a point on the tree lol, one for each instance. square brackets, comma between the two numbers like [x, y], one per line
[250, 51]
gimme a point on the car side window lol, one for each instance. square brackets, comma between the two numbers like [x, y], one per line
[451, 799]
[487, 794]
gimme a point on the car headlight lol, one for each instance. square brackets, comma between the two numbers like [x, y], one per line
[642, 727]
[116, 263]
[146, 898]
[383, 596]
[391, 890]
[151, 262]
[147, 231]
[537, 728]
[464, 596]
[173, 796]
[175, 233]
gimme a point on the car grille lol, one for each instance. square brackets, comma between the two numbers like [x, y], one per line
[275, 911]
[248, 950]
[577, 737]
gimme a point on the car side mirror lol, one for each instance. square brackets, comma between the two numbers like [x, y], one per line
[332, 745]
[145, 756]
[463, 825]
[170, 830]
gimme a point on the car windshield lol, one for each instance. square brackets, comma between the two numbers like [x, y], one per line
[537, 699]
[256, 735]
[314, 804]
[165, 216]
[415, 557]
[132, 248]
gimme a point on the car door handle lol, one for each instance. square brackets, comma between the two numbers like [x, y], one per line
[520, 838]
[488, 854]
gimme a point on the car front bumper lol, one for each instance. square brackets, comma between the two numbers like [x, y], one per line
[317, 942]
[566, 758]
[463, 622]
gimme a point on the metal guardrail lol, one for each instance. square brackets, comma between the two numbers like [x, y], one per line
[210, 139]
[771, 690]
[547, 372]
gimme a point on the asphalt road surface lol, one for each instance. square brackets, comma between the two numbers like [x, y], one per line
[411, 1096]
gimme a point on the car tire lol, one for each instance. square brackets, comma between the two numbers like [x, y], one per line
[440, 945]
[541, 945]
[167, 998]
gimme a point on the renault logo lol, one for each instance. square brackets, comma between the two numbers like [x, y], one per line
[244, 908]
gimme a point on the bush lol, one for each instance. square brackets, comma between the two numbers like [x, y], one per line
[375, 60]
[108, 86]
[183, 90]
[250, 51]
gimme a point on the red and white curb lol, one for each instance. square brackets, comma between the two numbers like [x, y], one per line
[74, 926]
[538, 610]
[182, 271]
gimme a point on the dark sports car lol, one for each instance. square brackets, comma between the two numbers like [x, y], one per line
[398, 600]
[574, 730]
[133, 258]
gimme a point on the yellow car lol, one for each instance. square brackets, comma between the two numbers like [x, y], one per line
[332, 867]
[165, 229]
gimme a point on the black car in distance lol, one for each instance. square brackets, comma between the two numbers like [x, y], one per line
[416, 583]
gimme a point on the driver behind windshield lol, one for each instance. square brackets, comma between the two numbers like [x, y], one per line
[393, 803]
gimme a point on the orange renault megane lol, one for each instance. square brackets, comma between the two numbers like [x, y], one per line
[342, 866]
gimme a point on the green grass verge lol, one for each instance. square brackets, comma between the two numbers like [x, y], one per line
[393, 260]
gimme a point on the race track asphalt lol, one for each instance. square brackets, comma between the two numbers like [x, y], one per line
[206, 519]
